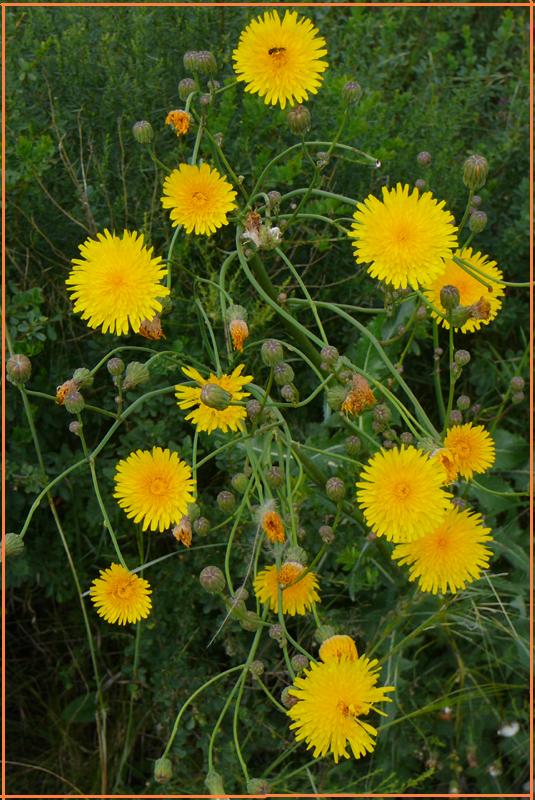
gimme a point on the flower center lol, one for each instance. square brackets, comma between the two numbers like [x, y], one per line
[124, 590]
[158, 486]
[288, 573]
[463, 449]
[347, 709]
[402, 235]
[402, 490]
[278, 56]
[199, 198]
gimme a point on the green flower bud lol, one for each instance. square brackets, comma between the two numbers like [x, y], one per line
[463, 402]
[190, 60]
[13, 545]
[327, 534]
[276, 632]
[253, 409]
[240, 482]
[335, 489]
[517, 383]
[194, 512]
[212, 579]
[324, 632]
[476, 201]
[381, 415]
[226, 502]
[272, 352]
[258, 786]
[460, 315]
[185, 87]
[250, 621]
[83, 378]
[475, 172]
[18, 369]
[406, 438]
[215, 396]
[299, 120]
[135, 375]
[461, 357]
[352, 92]
[214, 784]
[424, 159]
[274, 200]
[329, 355]
[283, 373]
[477, 221]
[75, 427]
[74, 402]
[449, 297]
[456, 417]
[353, 445]
[335, 396]
[256, 668]
[205, 63]
[299, 662]
[143, 132]
[115, 367]
[163, 770]
[287, 699]
[518, 397]
[290, 393]
[297, 554]
[202, 526]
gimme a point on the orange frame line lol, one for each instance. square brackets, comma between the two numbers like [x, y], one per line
[531, 794]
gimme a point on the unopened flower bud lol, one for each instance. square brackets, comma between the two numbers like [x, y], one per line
[476, 201]
[296, 554]
[287, 699]
[256, 668]
[352, 92]
[424, 159]
[190, 60]
[272, 353]
[276, 632]
[449, 297]
[274, 477]
[75, 427]
[322, 159]
[253, 408]
[406, 438]
[13, 545]
[299, 120]
[335, 396]
[239, 482]
[518, 397]
[136, 374]
[463, 402]
[219, 139]
[74, 402]
[327, 534]
[202, 526]
[18, 369]
[213, 86]
[421, 312]
[194, 511]
[388, 444]
[142, 131]
[335, 489]
[456, 417]
[329, 355]
[115, 367]
[290, 393]
[250, 621]
[163, 770]
[185, 87]
[283, 373]
[461, 357]
[212, 579]
[205, 62]
[205, 100]
[299, 662]
[353, 445]
[381, 415]
[420, 184]
[475, 172]
[460, 315]
[214, 784]
[258, 786]
[324, 632]
[517, 383]
[215, 396]
[83, 378]
[274, 200]
[477, 221]
[226, 501]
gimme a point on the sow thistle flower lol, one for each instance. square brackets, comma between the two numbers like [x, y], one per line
[199, 198]
[450, 557]
[480, 302]
[405, 237]
[116, 282]
[154, 488]
[472, 448]
[401, 494]
[332, 697]
[179, 120]
[206, 416]
[297, 598]
[119, 596]
[271, 522]
[280, 59]
[337, 647]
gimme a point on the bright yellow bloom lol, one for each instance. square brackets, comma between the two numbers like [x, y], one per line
[451, 556]
[297, 598]
[116, 282]
[199, 198]
[154, 487]
[332, 697]
[280, 59]
[119, 596]
[472, 448]
[473, 294]
[401, 494]
[447, 461]
[405, 237]
[179, 120]
[205, 417]
[337, 647]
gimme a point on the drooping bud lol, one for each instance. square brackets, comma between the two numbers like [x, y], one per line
[276, 632]
[142, 131]
[290, 393]
[299, 120]
[475, 171]
[74, 402]
[115, 367]
[406, 437]
[352, 92]
[272, 353]
[215, 396]
[83, 378]
[253, 408]
[381, 416]
[250, 621]
[75, 427]
[13, 545]
[461, 357]
[226, 501]
[460, 315]
[185, 87]
[296, 554]
[326, 534]
[424, 159]
[194, 511]
[202, 526]
[240, 482]
[163, 770]
[477, 221]
[212, 579]
[518, 397]
[18, 369]
[206, 63]
[136, 374]
[335, 489]
[283, 373]
[449, 297]
[353, 445]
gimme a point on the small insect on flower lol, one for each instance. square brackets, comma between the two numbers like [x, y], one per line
[120, 596]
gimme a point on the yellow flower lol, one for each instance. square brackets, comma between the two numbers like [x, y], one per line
[405, 237]
[337, 647]
[280, 59]
[332, 697]
[447, 461]
[472, 448]
[297, 598]
[473, 294]
[451, 556]
[401, 494]
[205, 417]
[199, 198]
[119, 596]
[154, 487]
[115, 283]
[179, 120]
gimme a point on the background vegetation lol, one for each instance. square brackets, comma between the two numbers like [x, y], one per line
[450, 81]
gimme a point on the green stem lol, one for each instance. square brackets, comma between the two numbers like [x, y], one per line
[211, 743]
[452, 380]
[466, 212]
[170, 255]
[250, 658]
[305, 291]
[436, 375]
[470, 269]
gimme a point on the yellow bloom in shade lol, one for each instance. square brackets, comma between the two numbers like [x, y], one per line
[401, 494]
[199, 198]
[484, 303]
[404, 238]
[280, 59]
[472, 448]
[332, 697]
[297, 598]
[204, 416]
[116, 282]
[447, 461]
[337, 647]
[120, 596]
[154, 487]
[451, 556]
[179, 120]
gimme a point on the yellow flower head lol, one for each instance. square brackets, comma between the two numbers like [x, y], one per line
[473, 294]
[205, 417]
[451, 556]
[119, 596]
[280, 59]
[405, 237]
[154, 487]
[179, 120]
[116, 282]
[332, 697]
[472, 448]
[401, 494]
[447, 461]
[199, 198]
[297, 598]
[337, 647]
